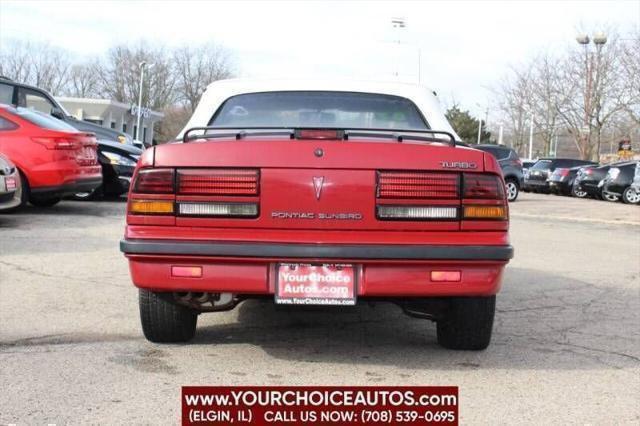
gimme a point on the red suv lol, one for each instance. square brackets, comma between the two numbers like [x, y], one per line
[53, 158]
[318, 194]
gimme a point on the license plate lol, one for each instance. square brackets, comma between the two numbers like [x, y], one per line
[306, 284]
[11, 183]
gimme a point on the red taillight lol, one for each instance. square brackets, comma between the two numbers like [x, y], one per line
[417, 185]
[154, 181]
[221, 182]
[56, 143]
[483, 186]
[563, 172]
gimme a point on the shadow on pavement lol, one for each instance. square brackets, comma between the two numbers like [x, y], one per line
[546, 322]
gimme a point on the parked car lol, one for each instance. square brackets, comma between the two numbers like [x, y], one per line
[118, 162]
[538, 175]
[296, 188]
[10, 188]
[635, 185]
[53, 158]
[527, 164]
[587, 182]
[618, 182]
[511, 167]
[25, 95]
[562, 178]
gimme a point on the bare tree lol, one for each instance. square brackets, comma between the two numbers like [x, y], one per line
[591, 84]
[196, 68]
[119, 76]
[546, 97]
[514, 97]
[83, 81]
[39, 64]
[581, 92]
[630, 71]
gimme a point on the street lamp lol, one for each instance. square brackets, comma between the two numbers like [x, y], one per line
[400, 23]
[599, 40]
[142, 65]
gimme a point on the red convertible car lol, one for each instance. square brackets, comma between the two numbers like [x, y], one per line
[318, 193]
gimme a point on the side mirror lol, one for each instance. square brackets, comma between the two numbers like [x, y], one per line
[57, 113]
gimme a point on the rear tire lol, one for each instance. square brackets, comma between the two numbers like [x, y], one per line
[631, 196]
[44, 201]
[610, 197]
[164, 321]
[577, 193]
[513, 189]
[468, 323]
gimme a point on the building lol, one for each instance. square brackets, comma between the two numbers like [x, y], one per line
[113, 115]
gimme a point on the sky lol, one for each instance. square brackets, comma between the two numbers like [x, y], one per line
[462, 48]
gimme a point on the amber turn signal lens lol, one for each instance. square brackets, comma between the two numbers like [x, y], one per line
[151, 207]
[485, 212]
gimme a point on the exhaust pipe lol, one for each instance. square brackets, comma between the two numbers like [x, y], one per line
[207, 302]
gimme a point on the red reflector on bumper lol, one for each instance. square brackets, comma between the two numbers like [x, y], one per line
[440, 276]
[186, 271]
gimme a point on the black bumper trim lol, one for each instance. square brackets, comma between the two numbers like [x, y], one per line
[317, 251]
[82, 185]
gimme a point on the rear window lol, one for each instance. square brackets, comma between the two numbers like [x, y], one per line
[43, 120]
[315, 109]
[542, 165]
[497, 152]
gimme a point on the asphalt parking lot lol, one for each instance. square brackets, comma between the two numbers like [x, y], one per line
[566, 346]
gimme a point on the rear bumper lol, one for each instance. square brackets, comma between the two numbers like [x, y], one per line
[80, 185]
[383, 270]
[536, 184]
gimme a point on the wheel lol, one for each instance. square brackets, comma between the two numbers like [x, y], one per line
[44, 201]
[631, 196]
[468, 323]
[512, 189]
[578, 193]
[163, 321]
[609, 197]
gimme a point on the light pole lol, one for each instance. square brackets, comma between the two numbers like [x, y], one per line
[530, 135]
[143, 64]
[599, 40]
[400, 23]
[486, 118]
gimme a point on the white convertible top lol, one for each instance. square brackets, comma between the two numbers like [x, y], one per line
[219, 91]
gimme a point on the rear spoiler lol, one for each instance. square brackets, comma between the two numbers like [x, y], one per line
[398, 135]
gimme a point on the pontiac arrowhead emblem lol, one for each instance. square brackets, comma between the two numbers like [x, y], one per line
[317, 185]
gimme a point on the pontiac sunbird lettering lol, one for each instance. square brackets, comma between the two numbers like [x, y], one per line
[318, 193]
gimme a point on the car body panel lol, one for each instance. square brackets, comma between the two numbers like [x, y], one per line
[50, 171]
[539, 174]
[10, 184]
[618, 184]
[18, 99]
[392, 258]
[118, 162]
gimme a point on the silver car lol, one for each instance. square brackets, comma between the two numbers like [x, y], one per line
[10, 185]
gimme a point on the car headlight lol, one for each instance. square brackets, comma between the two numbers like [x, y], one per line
[118, 160]
[125, 139]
